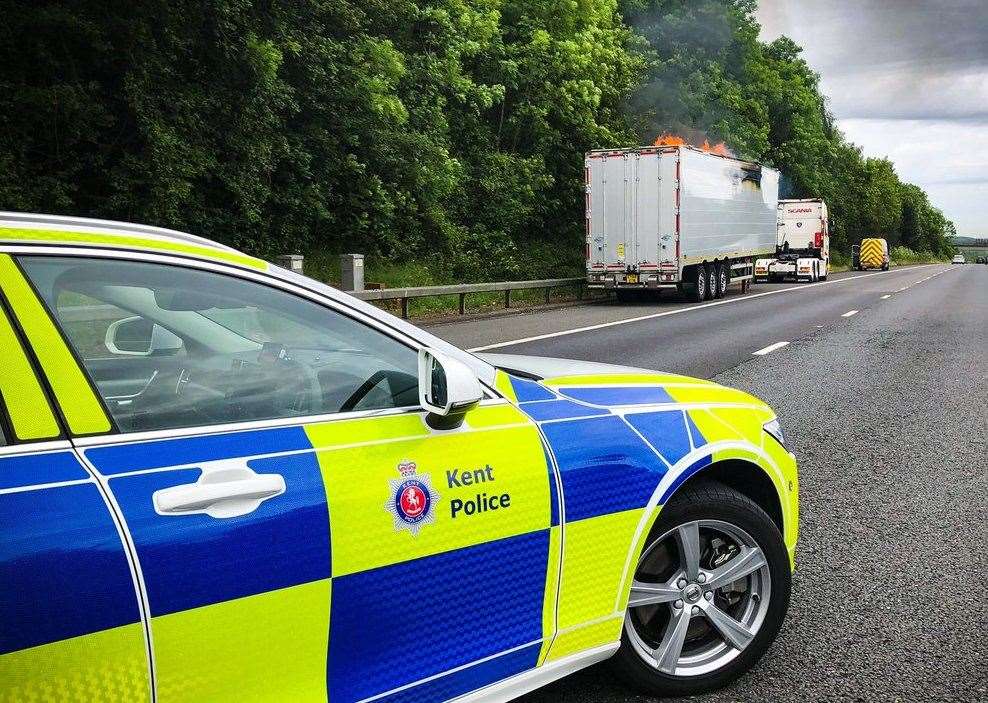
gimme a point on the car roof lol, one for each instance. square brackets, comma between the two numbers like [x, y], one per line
[32, 228]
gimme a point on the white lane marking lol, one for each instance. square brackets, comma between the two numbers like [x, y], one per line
[886, 297]
[769, 349]
[641, 318]
[850, 313]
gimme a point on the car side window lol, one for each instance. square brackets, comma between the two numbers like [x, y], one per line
[169, 347]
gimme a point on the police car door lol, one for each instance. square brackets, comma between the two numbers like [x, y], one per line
[70, 621]
[444, 564]
[243, 418]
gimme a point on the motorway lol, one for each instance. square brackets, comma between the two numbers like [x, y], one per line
[881, 386]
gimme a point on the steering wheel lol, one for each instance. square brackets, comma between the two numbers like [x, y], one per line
[395, 379]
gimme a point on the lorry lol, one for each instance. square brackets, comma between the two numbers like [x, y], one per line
[873, 254]
[802, 251]
[678, 217]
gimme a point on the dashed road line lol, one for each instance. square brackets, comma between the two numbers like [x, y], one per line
[769, 349]
[653, 316]
[886, 297]
[850, 313]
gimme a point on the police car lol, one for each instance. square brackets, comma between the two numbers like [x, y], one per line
[223, 480]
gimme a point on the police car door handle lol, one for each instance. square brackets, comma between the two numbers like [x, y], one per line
[221, 492]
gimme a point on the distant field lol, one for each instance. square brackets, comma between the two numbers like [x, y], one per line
[972, 253]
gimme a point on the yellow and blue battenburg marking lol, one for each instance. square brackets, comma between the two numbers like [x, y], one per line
[71, 626]
[326, 590]
[621, 444]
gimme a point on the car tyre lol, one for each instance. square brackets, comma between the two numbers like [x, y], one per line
[709, 506]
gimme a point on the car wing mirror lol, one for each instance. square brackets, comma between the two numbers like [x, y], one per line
[448, 389]
[137, 336]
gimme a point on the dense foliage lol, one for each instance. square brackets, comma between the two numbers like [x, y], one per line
[447, 131]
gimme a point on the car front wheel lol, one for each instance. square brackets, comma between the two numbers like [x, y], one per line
[709, 595]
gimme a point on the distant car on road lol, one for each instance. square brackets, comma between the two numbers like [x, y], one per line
[220, 479]
[958, 259]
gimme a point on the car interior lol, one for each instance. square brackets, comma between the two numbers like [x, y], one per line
[172, 347]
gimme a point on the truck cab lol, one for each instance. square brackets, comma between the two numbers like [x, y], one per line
[803, 246]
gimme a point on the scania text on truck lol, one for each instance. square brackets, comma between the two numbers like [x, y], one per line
[803, 248]
[677, 217]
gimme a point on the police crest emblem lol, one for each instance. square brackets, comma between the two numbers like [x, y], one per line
[412, 500]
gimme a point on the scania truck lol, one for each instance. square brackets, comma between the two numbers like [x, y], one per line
[803, 248]
[677, 217]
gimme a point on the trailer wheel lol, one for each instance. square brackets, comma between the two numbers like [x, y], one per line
[697, 291]
[722, 280]
[711, 281]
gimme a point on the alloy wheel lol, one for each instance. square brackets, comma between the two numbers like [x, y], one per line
[700, 595]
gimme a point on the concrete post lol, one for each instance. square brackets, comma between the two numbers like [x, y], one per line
[292, 262]
[352, 272]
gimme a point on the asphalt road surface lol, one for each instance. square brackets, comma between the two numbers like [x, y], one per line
[886, 411]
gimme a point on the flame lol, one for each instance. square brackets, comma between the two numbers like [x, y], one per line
[669, 139]
[720, 148]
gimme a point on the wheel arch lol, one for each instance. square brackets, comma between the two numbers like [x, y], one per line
[748, 479]
[744, 470]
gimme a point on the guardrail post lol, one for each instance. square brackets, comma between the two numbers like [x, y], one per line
[404, 308]
[292, 262]
[547, 292]
[352, 272]
[579, 291]
[463, 303]
[507, 298]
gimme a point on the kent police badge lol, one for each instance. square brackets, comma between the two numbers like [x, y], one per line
[412, 499]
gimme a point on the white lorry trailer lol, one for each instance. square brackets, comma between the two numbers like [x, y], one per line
[803, 249]
[677, 217]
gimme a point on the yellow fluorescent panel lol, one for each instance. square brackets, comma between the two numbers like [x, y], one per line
[358, 487]
[594, 556]
[585, 637]
[551, 586]
[80, 406]
[27, 405]
[130, 242]
[110, 666]
[267, 647]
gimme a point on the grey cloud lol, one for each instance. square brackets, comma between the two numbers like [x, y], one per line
[848, 36]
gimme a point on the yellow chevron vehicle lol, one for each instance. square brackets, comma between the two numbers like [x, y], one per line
[223, 481]
[874, 254]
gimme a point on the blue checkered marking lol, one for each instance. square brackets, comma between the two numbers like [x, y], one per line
[553, 489]
[624, 395]
[698, 439]
[398, 624]
[526, 390]
[605, 466]
[665, 431]
[472, 678]
[36, 469]
[121, 458]
[63, 570]
[194, 560]
[559, 410]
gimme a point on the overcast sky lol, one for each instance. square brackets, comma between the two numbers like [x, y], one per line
[907, 79]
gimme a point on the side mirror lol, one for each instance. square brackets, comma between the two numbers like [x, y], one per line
[448, 389]
[136, 336]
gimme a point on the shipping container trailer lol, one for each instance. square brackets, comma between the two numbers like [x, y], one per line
[677, 217]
